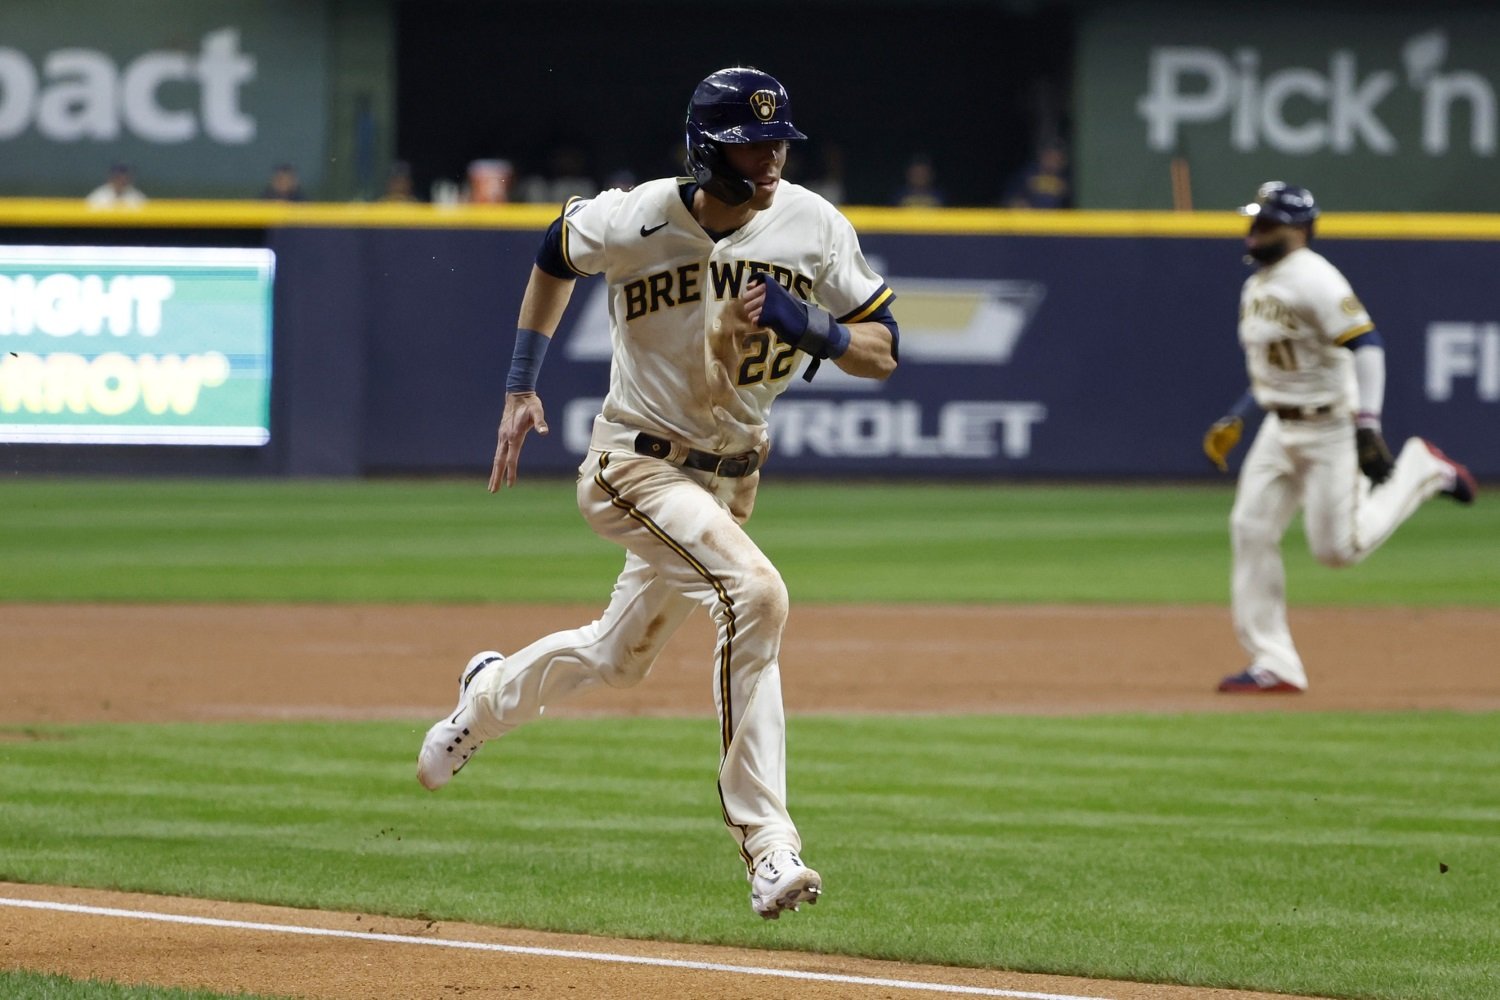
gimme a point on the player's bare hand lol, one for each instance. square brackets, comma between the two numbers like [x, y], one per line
[753, 301]
[523, 413]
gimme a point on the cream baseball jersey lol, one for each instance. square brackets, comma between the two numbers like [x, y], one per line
[1295, 315]
[670, 288]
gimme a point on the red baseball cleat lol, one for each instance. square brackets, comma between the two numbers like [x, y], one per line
[1257, 680]
[1464, 488]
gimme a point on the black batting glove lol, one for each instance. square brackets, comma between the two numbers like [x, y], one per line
[1375, 459]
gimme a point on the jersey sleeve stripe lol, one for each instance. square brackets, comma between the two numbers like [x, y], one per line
[1352, 332]
[567, 257]
[883, 295]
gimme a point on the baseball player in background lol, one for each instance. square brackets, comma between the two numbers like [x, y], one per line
[723, 286]
[1317, 369]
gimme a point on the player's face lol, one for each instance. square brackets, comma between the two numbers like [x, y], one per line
[761, 163]
[1269, 241]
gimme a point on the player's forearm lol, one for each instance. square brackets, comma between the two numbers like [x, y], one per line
[545, 301]
[1369, 373]
[869, 354]
[1243, 407]
[542, 308]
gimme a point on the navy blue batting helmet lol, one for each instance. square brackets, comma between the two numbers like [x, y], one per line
[736, 105]
[1283, 203]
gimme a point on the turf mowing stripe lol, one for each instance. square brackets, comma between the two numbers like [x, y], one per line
[511, 949]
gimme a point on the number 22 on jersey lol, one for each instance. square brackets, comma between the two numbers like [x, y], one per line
[758, 348]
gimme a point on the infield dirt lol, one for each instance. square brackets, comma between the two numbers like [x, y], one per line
[66, 664]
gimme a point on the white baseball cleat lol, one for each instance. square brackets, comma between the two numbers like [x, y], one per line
[451, 742]
[780, 881]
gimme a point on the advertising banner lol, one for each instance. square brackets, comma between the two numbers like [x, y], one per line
[199, 99]
[1376, 109]
[135, 345]
[1041, 355]
[1030, 356]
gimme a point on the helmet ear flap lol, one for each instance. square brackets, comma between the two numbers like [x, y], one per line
[711, 169]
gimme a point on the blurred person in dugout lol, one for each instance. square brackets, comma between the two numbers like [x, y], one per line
[491, 182]
[398, 183]
[118, 190]
[284, 185]
[567, 176]
[1043, 182]
[825, 173]
[920, 190]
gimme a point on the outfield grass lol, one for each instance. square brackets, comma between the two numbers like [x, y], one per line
[1216, 851]
[35, 986]
[1295, 852]
[448, 541]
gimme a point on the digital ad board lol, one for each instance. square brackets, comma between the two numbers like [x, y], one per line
[135, 345]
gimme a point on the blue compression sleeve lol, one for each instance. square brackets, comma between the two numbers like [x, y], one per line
[526, 360]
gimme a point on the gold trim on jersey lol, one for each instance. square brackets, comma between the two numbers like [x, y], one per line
[1352, 332]
[563, 243]
[880, 298]
[726, 719]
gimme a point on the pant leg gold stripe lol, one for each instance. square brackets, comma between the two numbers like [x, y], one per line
[726, 729]
[744, 831]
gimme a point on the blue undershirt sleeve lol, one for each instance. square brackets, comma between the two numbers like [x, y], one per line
[549, 256]
[1370, 338]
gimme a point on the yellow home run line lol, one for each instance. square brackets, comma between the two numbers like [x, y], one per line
[168, 213]
[587, 956]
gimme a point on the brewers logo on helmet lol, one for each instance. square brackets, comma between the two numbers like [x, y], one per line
[764, 103]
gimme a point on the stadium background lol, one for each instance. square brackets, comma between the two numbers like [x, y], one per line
[1087, 342]
[1090, 345]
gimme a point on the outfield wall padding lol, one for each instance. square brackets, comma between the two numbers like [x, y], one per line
[1098, 353]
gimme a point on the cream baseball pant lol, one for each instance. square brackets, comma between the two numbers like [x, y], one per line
[1311, 464]
[685, 546]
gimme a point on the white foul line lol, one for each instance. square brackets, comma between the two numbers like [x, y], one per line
[513, 949]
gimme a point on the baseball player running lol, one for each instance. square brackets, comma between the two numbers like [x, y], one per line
[1317, 369]
[723, 287]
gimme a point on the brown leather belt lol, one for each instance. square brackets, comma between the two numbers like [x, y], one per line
[1302, 412]
[728, 466]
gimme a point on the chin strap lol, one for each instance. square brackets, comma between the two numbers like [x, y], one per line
[715, 176]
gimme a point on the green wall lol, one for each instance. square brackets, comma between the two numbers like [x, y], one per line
[1375, 108]
[201, 97]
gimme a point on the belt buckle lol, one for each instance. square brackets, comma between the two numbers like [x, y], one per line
[735, 466]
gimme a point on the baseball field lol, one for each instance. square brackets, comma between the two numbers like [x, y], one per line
[1006, 755]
